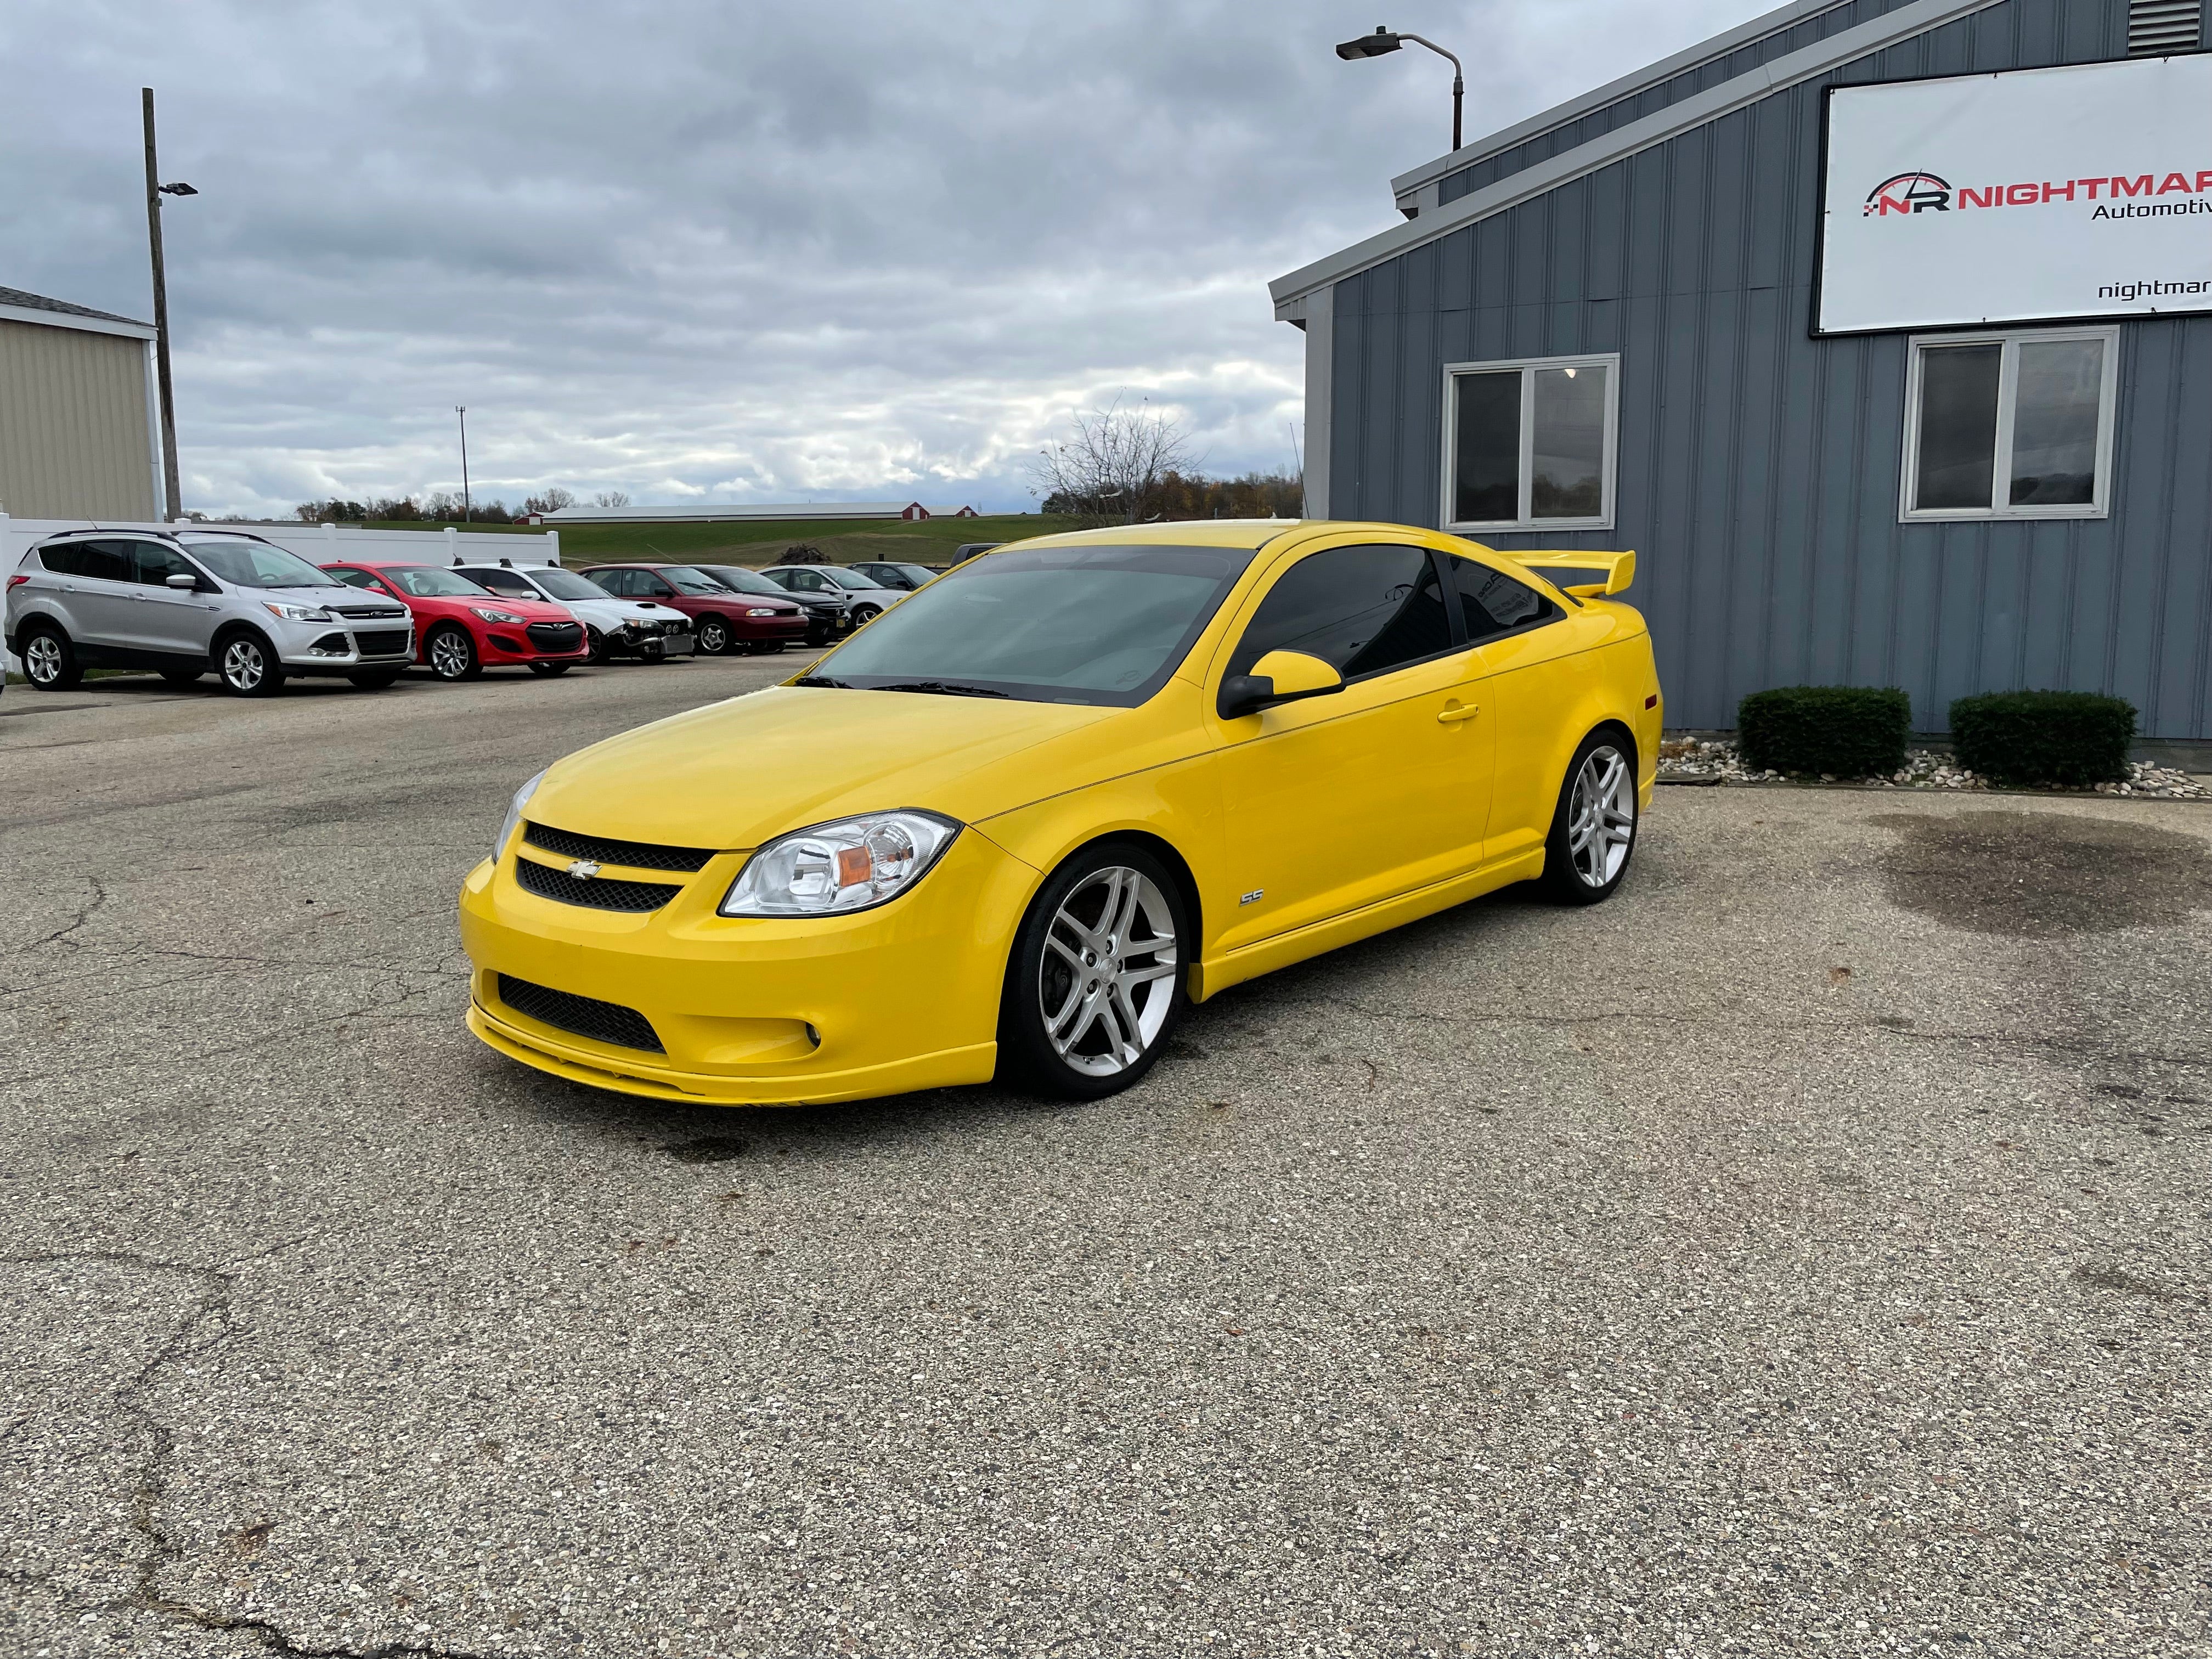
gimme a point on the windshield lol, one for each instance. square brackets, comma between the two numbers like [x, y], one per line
[1104, 625]
[568, 585]
[745, 581]
[257, 564]
[424, 581]
[684, 580]
[842, 577]
[917, 573]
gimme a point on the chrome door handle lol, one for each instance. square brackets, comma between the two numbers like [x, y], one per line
[1451, 717]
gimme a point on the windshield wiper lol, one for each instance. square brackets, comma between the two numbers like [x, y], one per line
[822, 679]
[943, 689]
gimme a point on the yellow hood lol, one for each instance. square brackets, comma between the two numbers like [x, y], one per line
[733, 774]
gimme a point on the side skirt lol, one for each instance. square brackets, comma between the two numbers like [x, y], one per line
[1254, 960]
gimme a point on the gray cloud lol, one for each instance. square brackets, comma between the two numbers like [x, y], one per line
[718, 251]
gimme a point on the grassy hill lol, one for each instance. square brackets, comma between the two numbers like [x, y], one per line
[928, 541]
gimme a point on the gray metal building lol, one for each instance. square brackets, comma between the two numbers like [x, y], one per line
[78, 421]
[1659, 239]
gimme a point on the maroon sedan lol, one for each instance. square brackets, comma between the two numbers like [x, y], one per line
[721, 619]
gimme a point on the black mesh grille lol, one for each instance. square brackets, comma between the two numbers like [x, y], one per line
[586, 1016]
[557, 636]
[595, 893]
[637, 854]
[379, 612]
[385, 642]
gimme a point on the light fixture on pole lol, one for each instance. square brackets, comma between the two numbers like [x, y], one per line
[467, 512]
[172, 508]
[1383, 40]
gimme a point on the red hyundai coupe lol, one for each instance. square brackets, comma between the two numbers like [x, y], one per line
[462, 628]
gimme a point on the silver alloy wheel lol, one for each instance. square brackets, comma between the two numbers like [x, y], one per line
[714, 637]
[1108, 977]
[449, 655]
[1601, 815]
[42, 659]
[865, 614]
[243, 666]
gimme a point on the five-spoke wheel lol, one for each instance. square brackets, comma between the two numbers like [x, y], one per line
[1096, 978]
[1594, 831]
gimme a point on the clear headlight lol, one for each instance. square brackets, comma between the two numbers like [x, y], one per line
[836, 867]
[762, 611]
[298, 612]
[514, 816]
[494, 616]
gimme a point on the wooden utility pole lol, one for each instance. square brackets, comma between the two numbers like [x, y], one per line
[173, 507]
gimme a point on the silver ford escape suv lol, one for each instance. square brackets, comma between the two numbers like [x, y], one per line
[187, 601]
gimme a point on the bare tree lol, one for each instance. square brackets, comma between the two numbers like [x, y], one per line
[1113, 466]
[552, 501]
[611, 498]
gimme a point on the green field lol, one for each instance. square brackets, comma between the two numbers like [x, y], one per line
[928, 541]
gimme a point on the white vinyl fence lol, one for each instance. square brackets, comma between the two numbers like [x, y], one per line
[317, 544]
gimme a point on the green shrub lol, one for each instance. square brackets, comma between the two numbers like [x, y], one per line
[2074, 738]
[1844, 731]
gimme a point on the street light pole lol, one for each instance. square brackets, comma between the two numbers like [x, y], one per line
[1382, 40]
[467, 510]
[155, 191]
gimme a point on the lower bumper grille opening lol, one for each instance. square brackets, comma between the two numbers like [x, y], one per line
[556, 636]
[584, 1016]
[381, 642]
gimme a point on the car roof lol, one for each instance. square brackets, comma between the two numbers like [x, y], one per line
[1184, 532]
[193, 532]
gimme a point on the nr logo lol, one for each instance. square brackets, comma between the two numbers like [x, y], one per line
[1908, 192]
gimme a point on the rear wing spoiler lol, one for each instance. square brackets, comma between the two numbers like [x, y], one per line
[1619, 569]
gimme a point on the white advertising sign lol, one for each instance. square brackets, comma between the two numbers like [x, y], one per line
[2082, 191]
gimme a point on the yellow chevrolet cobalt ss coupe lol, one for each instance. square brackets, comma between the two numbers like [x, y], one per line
[1011, 827]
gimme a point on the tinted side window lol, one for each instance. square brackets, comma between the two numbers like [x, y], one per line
[357, 579]
[502, 581]
[153, 564]
[66, 560]
[611, 581]
[1493, 603]
[1360, 609]
[646, 585]
[108, 561]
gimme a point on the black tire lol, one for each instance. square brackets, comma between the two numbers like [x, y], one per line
[597, 641]
[181, 677]
[546, 670]
[451, 653]
[866, 614]
[247, 664]
[711, 635]
[1037, 974]
[374, 679]
[49, 660]
[1600, 778]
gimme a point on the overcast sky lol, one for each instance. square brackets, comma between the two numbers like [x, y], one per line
[732, 251]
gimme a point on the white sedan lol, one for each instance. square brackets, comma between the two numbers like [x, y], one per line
[629, 628]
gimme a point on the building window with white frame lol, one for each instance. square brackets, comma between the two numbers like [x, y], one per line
[1531, 445]
[2010, 426]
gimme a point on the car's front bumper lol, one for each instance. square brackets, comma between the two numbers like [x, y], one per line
[749, 1011]
[344, 645]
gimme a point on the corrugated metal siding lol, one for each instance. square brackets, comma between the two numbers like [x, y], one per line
[1760, 467]
[73, 437]
[1809, 32]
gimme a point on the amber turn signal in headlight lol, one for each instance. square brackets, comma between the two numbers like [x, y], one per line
[835, 868]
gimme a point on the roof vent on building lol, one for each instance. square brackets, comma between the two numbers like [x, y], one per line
[2158, 27]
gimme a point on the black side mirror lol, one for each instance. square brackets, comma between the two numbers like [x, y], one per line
[1244, 694]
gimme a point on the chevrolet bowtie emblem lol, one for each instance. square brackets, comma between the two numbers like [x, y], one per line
[583, 869]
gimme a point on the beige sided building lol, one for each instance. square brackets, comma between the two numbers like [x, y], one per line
[78, 415]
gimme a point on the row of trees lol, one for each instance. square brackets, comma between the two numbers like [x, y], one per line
[443, 507]
[1121, 465]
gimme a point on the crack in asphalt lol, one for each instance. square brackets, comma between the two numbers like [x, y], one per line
[213, 1306]
[84, 914]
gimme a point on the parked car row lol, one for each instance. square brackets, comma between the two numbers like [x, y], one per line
[191, 601]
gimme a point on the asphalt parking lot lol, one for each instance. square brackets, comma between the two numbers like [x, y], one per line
[1805, 1252]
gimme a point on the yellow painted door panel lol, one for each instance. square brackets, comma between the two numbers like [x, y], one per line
[1340, 801]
